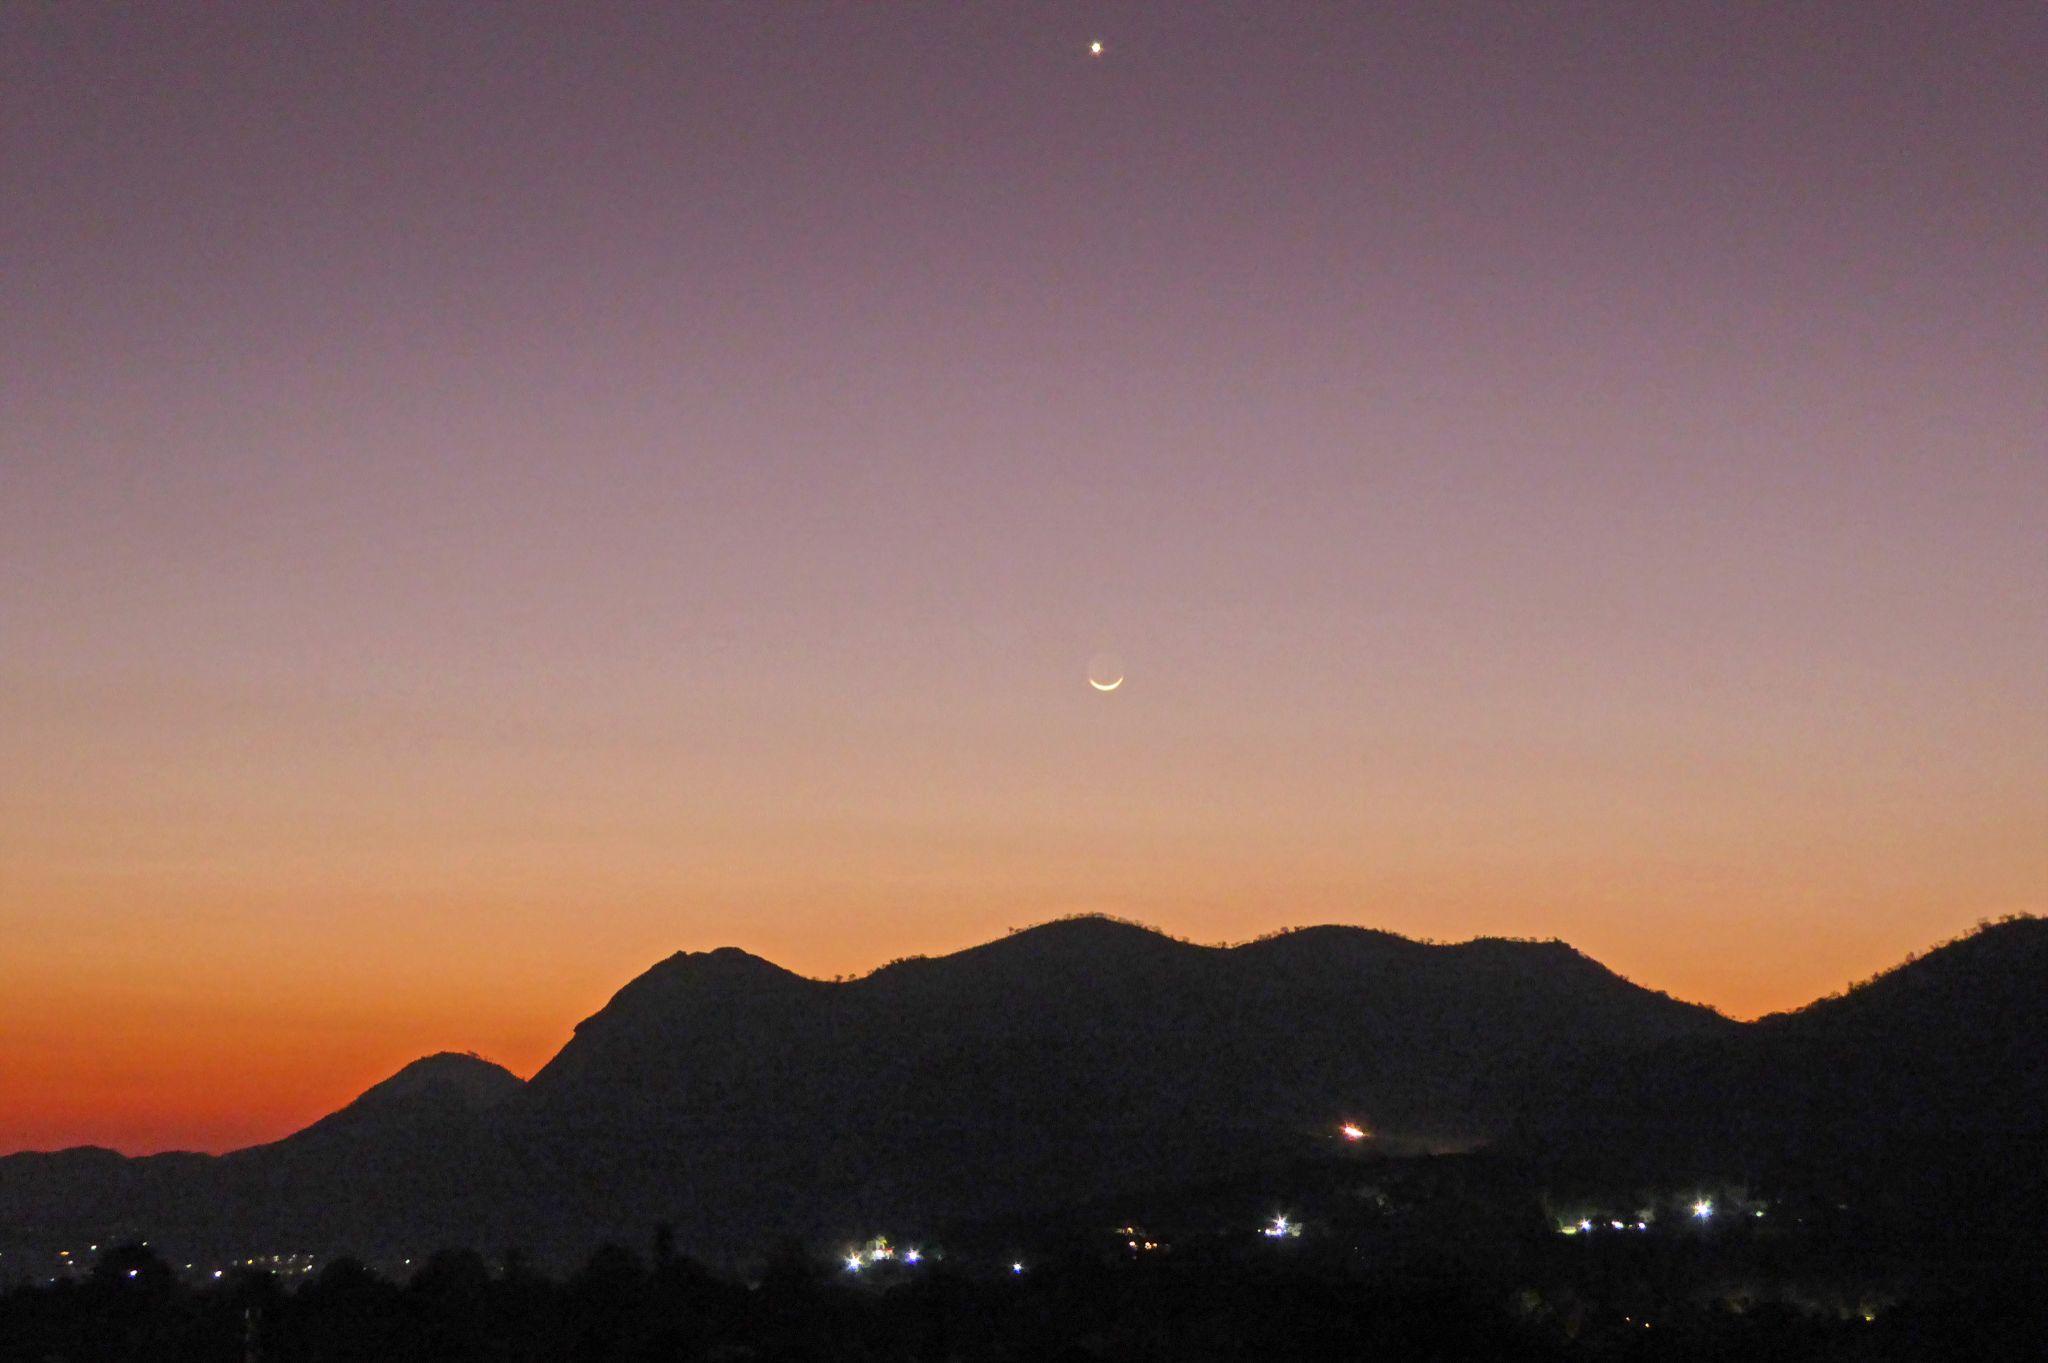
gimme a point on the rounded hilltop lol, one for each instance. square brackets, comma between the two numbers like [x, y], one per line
[476, 1083]
[448, 1086]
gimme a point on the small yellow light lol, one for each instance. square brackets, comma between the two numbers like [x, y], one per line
[1095, 48]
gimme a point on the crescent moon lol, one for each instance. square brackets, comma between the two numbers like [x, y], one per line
[1106, 686]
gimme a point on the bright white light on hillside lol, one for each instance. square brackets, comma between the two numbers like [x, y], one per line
[1702, 1209]
[911, 1256]
[853, 1263]
[1353, 1132]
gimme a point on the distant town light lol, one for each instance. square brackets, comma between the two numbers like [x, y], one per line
[911, 1256]
[1353, 1132]
[1016, 1268]
[1585, 1225]
[853, 1263]
[1703, 1209]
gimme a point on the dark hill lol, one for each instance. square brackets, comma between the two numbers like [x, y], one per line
[1051, 1064]
[432, 1092]
[1950, 1045]
[1425, 1037]
[412, 1158]
[51, 1194]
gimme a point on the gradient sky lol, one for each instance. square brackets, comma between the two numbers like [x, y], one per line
[493, 494]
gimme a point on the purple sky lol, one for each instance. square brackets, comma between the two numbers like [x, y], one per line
[532, 487]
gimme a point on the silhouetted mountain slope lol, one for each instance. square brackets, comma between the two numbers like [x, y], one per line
[411, 1157]
[49, 1191]
[1949, 1046]
[449, 1087]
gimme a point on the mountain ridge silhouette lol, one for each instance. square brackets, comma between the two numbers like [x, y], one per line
[738, 1100]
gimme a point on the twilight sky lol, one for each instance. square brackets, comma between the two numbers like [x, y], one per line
[493, 494]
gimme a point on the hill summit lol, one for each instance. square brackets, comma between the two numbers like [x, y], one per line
[448, 1084]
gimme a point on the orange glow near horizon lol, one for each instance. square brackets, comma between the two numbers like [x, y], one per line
[204, 954]
[260, 1029]
[201, 956]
